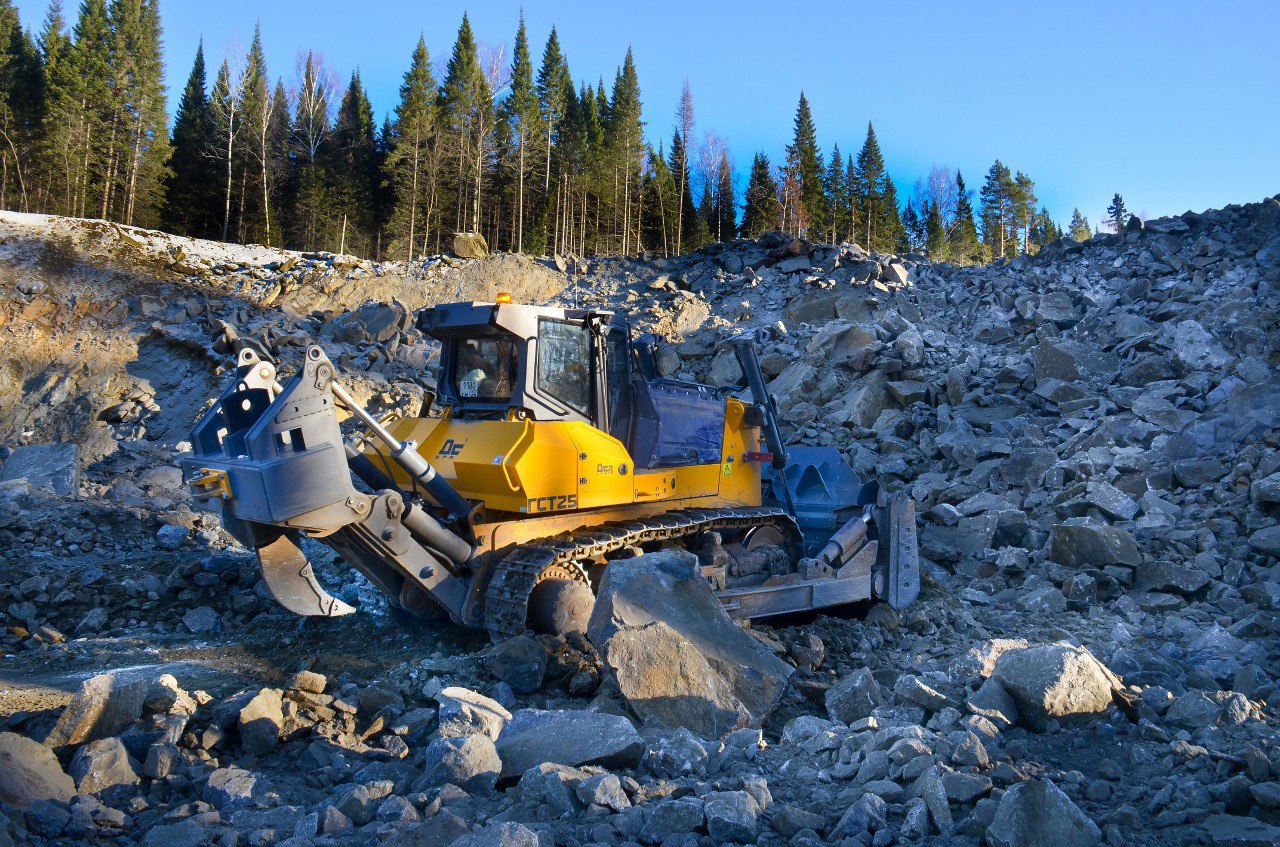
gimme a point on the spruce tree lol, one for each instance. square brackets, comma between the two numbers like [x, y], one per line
[1079, 229]
[1116, 213]
[554, 86]
[59, 113]
[726, 211]
[688, 234]
[836, 190]
[625, 139]
[760, 212]
[523, 120]
[964, 246]
[685, 120]
[894, 233]
[192, 194]
[308, 156]
[92, 38]
[410, 158]
[869, 175]
[804, 162]
[353, 170]
[467, 111]
[254, 163]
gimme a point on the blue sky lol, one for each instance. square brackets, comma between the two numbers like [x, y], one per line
[1174, 104]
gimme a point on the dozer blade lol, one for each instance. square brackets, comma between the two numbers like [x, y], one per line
[292, 583]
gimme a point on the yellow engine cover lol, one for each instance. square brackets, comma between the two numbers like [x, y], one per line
[538, 467]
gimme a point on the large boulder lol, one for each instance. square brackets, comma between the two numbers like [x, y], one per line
[372, 322]
[102, 764]
[29, 772]
[466, 712]
[52, 467]
[470, 762]
[470, 245]
[1039, 814]
[260, 722]
[572, 738]
[1093, 546]
[1061, 358]
[854, 697]
[676, 655]
[104, 706]
[1054, 681]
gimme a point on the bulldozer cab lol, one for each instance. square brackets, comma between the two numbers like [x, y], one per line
[511, 361]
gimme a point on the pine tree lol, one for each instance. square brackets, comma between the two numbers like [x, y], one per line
[964, 246]
[869, 174]
[1079, 227]
[685, 120]
[1116, 213]
[804, 161]
[193, 185]
[760, 212]
[1024, 206]
[998, 218]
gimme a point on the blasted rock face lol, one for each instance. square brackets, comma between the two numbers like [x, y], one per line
[676, 655]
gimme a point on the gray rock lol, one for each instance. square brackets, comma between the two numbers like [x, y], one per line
[260, 722]
[1054, 681]
[232, 788]
[733, 817]
[105, 705]
[676, 754]
[1093, 546]
[1240, 831]
[603, 790]
[1059, 358]
[470, 762]
[102, 764]
[1037, 813]
[51, 467]
[1267, 541]
[674, 652]
[371, 323]
[672, 817]
[202, 620]
[188, 833]
[171, 537]
[520, 662]
[572, 738]
[992, 702]
[30, 772]
[1177, 577]
[1193, 711]
[912, 689]
[465, 712]
[854, 697]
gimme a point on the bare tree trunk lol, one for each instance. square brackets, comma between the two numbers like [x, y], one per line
[226, 215]
[520, 199]
[342, 242]
[133, 169]
[413, 197]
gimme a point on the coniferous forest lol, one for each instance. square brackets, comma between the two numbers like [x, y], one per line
[504, 142]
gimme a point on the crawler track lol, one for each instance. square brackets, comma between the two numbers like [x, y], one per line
[507, 598]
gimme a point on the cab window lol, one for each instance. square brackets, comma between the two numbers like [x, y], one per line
[486, 369]
[564, 370]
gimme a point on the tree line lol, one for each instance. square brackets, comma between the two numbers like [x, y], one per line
[526, 156]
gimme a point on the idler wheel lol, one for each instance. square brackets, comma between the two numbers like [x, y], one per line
[559, 606]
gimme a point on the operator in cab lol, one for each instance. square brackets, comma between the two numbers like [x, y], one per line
[487, 368]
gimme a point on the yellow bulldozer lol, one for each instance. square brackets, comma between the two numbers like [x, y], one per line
[549, 450]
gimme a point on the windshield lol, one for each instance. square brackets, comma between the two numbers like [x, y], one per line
[485, 368]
